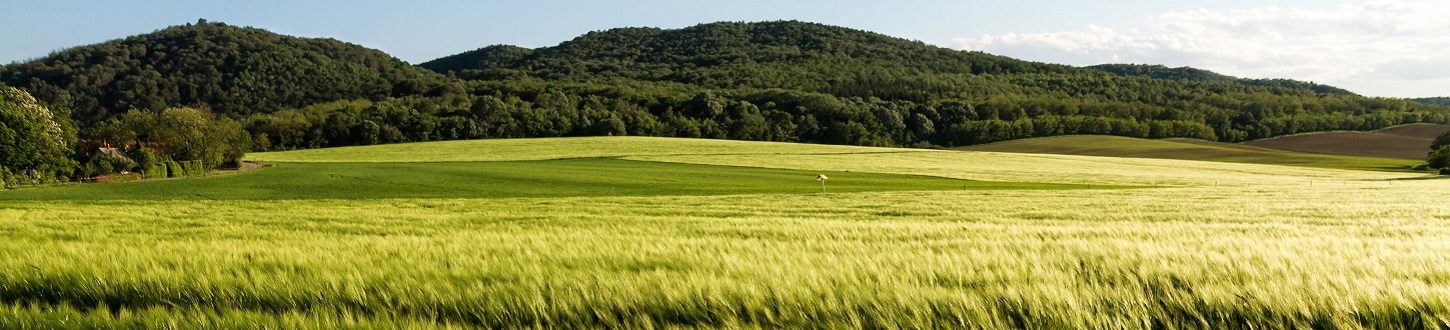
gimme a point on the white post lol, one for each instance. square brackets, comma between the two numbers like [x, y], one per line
[822, 178]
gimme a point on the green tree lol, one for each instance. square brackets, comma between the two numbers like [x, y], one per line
[145, 158]
[34, 142]
[184, 134]
[1440, 141]
[1440, 158]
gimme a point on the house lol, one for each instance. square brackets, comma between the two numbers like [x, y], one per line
[93, 165]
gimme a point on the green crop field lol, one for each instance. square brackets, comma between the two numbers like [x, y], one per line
[679, 233]
[545, 178]
[1190, 149]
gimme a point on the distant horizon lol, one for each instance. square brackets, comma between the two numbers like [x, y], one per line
[1372, 48]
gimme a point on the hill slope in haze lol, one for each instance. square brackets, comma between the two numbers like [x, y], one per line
[1194, 74]
[1434, 100]
[229, 69]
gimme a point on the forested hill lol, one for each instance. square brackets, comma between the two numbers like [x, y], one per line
[1434, 100]
[1158, 71]
[776, 81]
[813, 57]
[789, 55]
[893, 91]
[232, 70]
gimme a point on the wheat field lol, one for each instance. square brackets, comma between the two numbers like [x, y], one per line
[1211, 245]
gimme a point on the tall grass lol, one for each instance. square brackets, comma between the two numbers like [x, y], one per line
[1327, 257]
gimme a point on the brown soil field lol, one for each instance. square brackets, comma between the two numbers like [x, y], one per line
[1404, 142]
[1423, 131]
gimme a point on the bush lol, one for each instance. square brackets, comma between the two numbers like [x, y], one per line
[156, 171]
[6, 177]
[119, 164]
[173, 169]
[145, 158]
[104, 167]
[1445, 171]
[193, 168]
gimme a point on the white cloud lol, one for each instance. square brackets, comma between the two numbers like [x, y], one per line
[1375, 48]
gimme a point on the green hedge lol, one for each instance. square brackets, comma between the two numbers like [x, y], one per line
[157, 171]
[173, 169]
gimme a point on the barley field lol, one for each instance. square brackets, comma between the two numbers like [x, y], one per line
[1068, 242]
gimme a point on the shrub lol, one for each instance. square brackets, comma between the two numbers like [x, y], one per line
[145, 158]
[174, 169]
[6, 177]
[193, 168]
[104, 167]
[118, 163]
[156, 171]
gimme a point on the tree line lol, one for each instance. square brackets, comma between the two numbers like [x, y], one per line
[549, 109]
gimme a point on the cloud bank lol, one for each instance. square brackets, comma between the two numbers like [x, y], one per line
[1378, 48]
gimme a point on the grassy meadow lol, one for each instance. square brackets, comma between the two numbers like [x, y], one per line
[1210, 245]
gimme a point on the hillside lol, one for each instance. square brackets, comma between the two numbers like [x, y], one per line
[892, 91]
[1403, 142]
[1188, 149]
[1434, 100]
[229, 69]
[789, 55]
[1195, 74]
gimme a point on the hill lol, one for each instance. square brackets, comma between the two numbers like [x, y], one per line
[1194, 74]
[782, 54]
[864, 88]
[228, 69]
[1403, 142]
[1188, 149]
[1434, 100]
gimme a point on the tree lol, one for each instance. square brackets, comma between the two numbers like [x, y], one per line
[145, 158]
[1440, 158]
[34, 141]
[609, 126]
[1440, 141]
[183, 134]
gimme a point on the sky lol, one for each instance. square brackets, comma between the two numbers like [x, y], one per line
[1371, 47]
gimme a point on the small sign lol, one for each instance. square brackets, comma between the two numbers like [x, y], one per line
[821, 177]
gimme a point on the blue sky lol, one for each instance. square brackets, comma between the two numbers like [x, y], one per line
[1374, 47]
